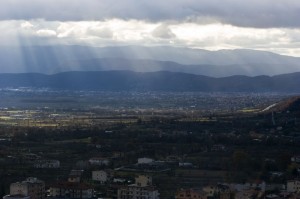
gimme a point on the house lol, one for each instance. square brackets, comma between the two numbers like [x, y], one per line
[218, 148]
[272, 196]
[247, 194]
[31, 187]
[174, 159]
[119, 180]
[273, 187]
[185, 164]
[101, 176]
[134, 191]
[145, 160]
[47, 164]
[31, 157]
[143, 180]
[248, 186]
[71, 190]
[81, 164]
[293, 186]
[190, 194]
[220, 191]
[112, 190]
[276, 174]
[142, 189]
[118, 154]
[295, 159]
[248, 190]
[75, 176]
[99, 161]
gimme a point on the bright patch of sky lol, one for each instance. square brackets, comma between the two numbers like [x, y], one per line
[271, 25]
[213, 36]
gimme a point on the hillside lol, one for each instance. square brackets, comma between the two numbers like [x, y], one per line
[290, 105]
[222, 63]
[152, 81]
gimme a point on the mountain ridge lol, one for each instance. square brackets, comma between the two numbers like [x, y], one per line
[151, 81]
[55, 59]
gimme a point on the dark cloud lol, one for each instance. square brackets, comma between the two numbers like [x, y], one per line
[254, 13]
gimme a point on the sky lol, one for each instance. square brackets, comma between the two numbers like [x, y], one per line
[270, 25]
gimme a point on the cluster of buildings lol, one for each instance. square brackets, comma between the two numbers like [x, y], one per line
[74, 188]
[143, 188]
[46, 164]
[243, 191]
[31, 188]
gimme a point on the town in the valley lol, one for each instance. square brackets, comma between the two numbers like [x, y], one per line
[248, 147]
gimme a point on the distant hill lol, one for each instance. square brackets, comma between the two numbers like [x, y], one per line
[291, 105]
[222, 63]
[145, 65]
[152, 81]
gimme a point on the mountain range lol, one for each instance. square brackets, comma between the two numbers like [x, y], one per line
[152, 81]
[222, 63]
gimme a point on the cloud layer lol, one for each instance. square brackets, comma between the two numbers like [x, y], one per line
[271, 25]
[132, 32]
[254, 13]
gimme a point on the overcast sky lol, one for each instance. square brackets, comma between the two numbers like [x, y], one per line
[272, 25]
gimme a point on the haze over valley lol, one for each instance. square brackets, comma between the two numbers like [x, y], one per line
[150, 99]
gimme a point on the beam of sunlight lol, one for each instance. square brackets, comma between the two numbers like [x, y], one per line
[57, 46]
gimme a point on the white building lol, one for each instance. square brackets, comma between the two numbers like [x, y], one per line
[31, 187]
[71, 190]
[99, 161]
[143, 180]
[247, 186]
[295, 159]
[119, 180]
[47, 164]
[185, 164]
[101, 176]
[191, 193]
[142, 189]
[293, 186]
[145, 160]
[134, 192]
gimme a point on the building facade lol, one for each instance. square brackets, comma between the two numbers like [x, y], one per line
[145, 160]
[190, 194]
[142, 189]
[71, 190]
[31, 187]
[75, 176]
[143, 181]
[137, 192]
[101, 176]
[293, 186]
[47, 164]
[99, 161]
